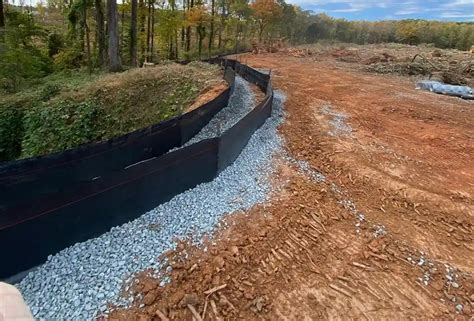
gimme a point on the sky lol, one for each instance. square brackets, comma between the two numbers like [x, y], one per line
[446, 10]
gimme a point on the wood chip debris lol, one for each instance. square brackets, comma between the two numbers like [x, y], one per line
[161, 315]
[215, 289]
[194, 312]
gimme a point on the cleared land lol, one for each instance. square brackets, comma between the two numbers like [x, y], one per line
[373, 218]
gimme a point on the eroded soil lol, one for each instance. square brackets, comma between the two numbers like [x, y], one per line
[379, 226]
[208, 94]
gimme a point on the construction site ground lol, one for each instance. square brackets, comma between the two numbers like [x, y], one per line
[378, 226]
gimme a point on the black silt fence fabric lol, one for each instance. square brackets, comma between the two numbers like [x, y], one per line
[119, 152]
[41, 177]
[66, 220]
[50, 208]
[234, 140]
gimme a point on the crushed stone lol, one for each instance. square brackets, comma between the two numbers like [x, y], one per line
[80, 281]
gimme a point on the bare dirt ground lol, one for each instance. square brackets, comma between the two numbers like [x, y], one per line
[378, 226]
[418, 62]
[208, 94]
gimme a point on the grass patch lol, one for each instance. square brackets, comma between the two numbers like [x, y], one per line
[66, 110]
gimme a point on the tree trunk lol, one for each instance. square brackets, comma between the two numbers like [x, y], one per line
[183, 30]
[188, 30]
[236, 45]
[82, 33]
[152, 40]
[148, 32]
[199, 40]
[183, 38]
[201, 32]
[142, 17]
[176, 54]
[122, 26]
[114, 57]
[211, 32]
[100, 33]
[261, 26]
[2, 15]
[170, 48]
[2, 21]
[133, 34]
[222, 24]
[88, 43]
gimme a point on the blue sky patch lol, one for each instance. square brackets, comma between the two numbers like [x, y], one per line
[445, 10]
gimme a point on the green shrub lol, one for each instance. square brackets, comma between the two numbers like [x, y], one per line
[71, 108]
[69, 58]
[21, 56]
[66, 124]
[49, 91]
[11, 131]
[55, 44]
[19, 64]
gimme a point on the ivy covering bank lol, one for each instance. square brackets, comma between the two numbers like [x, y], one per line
[57, 116]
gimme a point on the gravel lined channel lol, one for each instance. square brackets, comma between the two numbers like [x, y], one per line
[238, 107]
[79, 281]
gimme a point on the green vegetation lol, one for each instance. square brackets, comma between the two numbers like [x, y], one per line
[69, 110]
[456, 35]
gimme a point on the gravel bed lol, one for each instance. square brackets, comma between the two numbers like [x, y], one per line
[79, 281]
[238, 107]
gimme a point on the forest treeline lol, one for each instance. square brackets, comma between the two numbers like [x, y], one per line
[104, 34]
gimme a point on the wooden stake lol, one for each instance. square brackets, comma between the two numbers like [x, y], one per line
[194, 312]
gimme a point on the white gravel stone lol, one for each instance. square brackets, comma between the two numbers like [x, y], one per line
[230, 115]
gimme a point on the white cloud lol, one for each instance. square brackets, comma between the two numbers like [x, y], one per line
[459, 3]
[404, 12]
[346, 10]
[456, 15]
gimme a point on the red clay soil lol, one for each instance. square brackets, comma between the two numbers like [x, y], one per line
[208, 94]
[386, 235]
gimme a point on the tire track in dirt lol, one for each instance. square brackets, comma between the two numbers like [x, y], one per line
[364, 243]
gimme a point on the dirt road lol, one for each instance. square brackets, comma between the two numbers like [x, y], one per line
[375, 223]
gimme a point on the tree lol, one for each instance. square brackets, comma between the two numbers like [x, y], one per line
[188, 29]
[170, 21]
[100, 33]
[223, 8]
[149, 30]
[407, 33]
[88, 43]
[77, 15]
[20, 56]
[142, 11]
[133, 34]
[2, 15]
[265, 12]
[197, 17]
[286, 23]
[211, 33]
[152, 36]
[240, 14]
[322, 27]
[112, 28]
